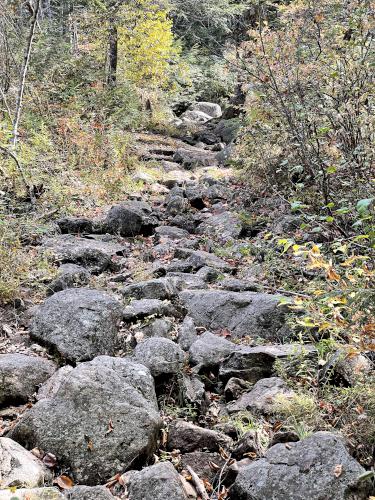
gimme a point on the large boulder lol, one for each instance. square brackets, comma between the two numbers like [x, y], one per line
[139, 309]
[158, 482]
[95, 254]
[319, 468]
[102, 419]
[21, 375]
[252, 314]
[161, 356]
[19, 468]
[194, 117]
[131, 218]
[78, 323]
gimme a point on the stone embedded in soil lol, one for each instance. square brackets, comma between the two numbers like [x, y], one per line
[319, 467]
[255, 363]
[131, 218]
[19, 468]
[158, 482]
[95, 254]
[187, 437]
[209, 350]
[78, 323]
[139, 309]
[88, 493]
[262, 397]
[102, 420]
[21, 375]
[161, 356]
[257, 315]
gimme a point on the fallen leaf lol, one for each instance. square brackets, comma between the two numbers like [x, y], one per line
[64, 482]
[337, 471]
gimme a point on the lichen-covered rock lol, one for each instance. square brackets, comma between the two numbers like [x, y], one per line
[102, 418]
[79, 323]
[319, 468]
[21, 375]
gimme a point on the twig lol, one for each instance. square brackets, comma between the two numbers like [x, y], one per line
[198, 484]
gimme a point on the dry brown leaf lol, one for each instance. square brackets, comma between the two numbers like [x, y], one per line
[64, 482]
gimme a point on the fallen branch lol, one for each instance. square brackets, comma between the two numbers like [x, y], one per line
[198, 484]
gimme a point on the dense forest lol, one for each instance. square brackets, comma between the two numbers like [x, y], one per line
[187, 242]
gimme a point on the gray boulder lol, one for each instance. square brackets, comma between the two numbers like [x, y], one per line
[79, 323]
[69, 276]
[187, 334]
[139, 309]
[210, 350]
[227, 130]
[319, 468]
[96, 254]
[261, 398]
[158, 482]
[159, 327]
[75, 225]
[210, 108]
[194, 157]
[187, 437]
[89, 493]
[196, 259]
[21, 375]
[224, 226]
[20, 468]
[130, 219]
[193, 390]
[255, 363]
[170, 233]
[195, 117]
[162, 288]
[207, 465]
[161, 356]
[102, 418]
[176, 204]
[257, 315]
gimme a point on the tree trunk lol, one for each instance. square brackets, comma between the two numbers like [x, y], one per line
[112, 54]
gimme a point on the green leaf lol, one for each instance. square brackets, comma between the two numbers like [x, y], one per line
[363, 205]
[331, 170]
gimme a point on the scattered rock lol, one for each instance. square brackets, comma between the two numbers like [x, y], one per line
[209, 350]
[102, 420]
[262, 396]
[88, 493]
[79, 323]
[32, 494]
[97, 255]
[139, 309]
[162, 288]
[224, 226]
[19, 468]
[235, 387]
[256, 315]
[319, 467]
[69, 276]
[161, 356]
[207, 465]
[130, 219]
[187, 334]
[75, 225]
[21, 375]
[210, 108]
[193, 158]
[193, 391]
[158, 482]
[187, 437]
[170, 232]
[195, 117]
[159, 327]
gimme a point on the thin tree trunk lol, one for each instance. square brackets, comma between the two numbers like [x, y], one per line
[25, 68]
[112, 54]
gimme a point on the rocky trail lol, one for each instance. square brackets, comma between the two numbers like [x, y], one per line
[136, 376]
